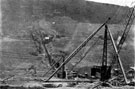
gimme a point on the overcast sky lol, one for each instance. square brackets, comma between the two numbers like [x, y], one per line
[117, 2]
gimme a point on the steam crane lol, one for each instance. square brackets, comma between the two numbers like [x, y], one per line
[105, 70]
[53, 63]
[78, 49]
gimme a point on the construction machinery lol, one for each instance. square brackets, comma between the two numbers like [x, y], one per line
[104, 69]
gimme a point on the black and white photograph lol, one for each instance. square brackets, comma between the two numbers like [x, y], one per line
[67, 44]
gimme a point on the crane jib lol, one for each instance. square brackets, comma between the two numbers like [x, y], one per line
[78, 48]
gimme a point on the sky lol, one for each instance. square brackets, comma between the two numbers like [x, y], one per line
[129, 3]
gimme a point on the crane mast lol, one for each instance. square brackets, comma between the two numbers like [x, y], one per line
[127, 29]
[129, 23]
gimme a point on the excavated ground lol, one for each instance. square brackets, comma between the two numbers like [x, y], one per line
[27, 83]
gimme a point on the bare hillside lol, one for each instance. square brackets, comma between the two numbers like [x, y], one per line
[74, 20]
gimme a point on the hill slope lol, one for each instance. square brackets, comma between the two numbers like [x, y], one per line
[75, 19]
[18, 15]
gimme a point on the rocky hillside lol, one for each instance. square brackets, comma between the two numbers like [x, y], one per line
[74, 19]
[18, 15]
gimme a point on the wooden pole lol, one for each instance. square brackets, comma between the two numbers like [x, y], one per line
[118, 56]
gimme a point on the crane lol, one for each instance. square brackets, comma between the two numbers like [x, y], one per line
[78, 49]
[129, 23]
[104, 59]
